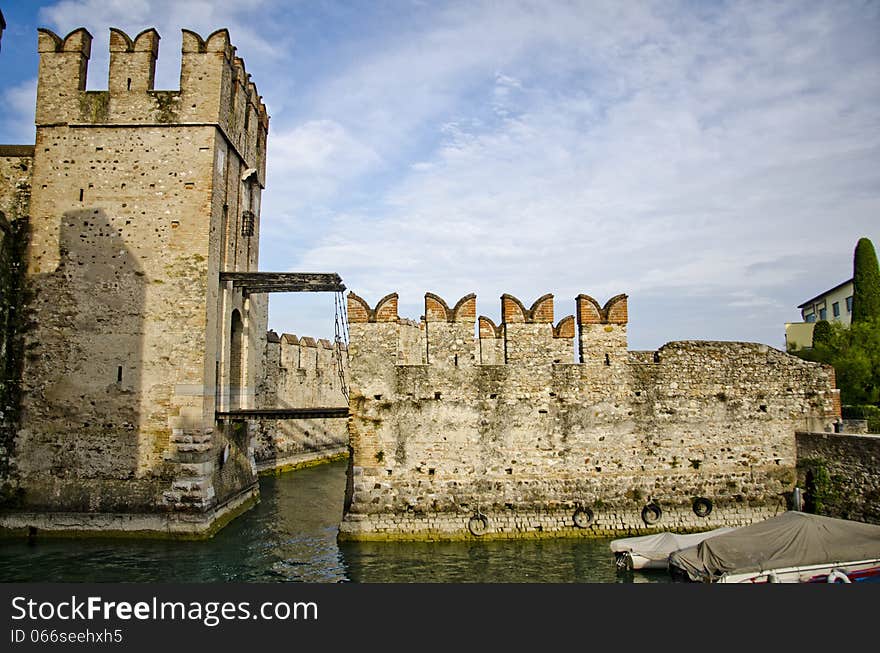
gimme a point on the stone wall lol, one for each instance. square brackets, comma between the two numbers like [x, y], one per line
[16, 165]
[300, 373]
[518, 432]
[16, 168]
[840, 473]
[140, 198]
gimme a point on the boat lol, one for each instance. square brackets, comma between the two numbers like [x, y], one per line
[652, 551]
[794, 547]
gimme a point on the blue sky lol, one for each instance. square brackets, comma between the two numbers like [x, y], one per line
[716, 161]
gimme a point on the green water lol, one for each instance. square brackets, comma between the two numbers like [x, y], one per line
[291, 536]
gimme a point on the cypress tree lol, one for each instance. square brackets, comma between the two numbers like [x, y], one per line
[866, 283]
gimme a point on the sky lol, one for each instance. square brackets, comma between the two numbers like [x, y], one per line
[715, 161]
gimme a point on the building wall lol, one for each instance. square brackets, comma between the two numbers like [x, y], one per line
[841, 474]
[528, 442]
[799, 335]
[136, 207]
[300, 373]
[839, 296]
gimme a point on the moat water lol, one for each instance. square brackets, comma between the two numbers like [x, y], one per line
[291, 536]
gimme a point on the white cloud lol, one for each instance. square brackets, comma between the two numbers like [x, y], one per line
[680, 153]
[312, 160]
[18, 118]
[722, 152]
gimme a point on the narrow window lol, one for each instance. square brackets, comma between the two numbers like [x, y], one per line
[849, 304]
[81, 192]
[823, 314]
[607, 359]
[128, 84]
[119, 374]
[835, 308]
[247, 223]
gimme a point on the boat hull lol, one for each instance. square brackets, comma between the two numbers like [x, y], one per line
[853, 572]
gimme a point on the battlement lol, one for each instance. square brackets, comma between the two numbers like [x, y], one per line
[614, 311]
[359, 311]
[292, 352]
[437, 310]
[514, 312]
[456, 337]
[602, 330]
[215, 88]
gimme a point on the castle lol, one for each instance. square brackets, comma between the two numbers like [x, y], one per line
[142, 394]
[141, 211]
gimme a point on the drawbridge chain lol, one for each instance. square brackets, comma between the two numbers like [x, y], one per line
[341, 341]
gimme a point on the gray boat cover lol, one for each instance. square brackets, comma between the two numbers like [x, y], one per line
[792, 539]
[659, 546]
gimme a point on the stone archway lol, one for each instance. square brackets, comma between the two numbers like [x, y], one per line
[237, 366]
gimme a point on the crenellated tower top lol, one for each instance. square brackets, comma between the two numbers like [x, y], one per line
[215, 87]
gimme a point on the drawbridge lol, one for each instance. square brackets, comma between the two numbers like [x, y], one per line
[250, 283]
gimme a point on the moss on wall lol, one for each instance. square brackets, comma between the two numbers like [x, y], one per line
[94, 106]
[840, 475]
[166, 105]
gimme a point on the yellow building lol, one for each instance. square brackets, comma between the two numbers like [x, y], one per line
[834, 305]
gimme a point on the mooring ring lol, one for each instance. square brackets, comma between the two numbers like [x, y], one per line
[477, 525]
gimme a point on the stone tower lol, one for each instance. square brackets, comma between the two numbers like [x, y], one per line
[141, 198]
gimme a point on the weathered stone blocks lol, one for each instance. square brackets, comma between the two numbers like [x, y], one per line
[525, 436]
[137, 204]
[300, 373]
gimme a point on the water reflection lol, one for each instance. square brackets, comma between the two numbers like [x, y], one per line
[291, 536]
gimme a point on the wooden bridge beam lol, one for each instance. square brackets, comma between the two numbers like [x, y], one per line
[265, 282]
[283, 413]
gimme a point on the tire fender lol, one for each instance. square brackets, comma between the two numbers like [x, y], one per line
[651, 513]
[582, 517]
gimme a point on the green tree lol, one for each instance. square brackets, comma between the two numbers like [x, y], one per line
[866, 282]
[822, 333]
[858, 364]
[854, 353]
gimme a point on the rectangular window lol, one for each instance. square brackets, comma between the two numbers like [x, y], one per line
[823, 314]
[849, 304]
[835, 308]
[810, 317]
